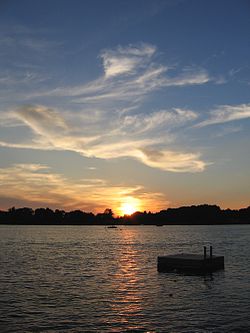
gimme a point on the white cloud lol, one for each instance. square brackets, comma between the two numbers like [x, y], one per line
[42, 120]
[125, 60]
[111, 121]
[226, 113]
[194, 77]
[172, 161]
[130, 73]
[163, 119]
[115, 66]
[8, 119]
[121, 136]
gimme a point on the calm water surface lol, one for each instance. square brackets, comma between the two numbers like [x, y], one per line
[94, 279]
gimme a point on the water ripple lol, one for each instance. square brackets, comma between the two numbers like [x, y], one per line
[90, 279]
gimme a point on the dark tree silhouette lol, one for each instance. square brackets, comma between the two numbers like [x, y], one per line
[201, 214]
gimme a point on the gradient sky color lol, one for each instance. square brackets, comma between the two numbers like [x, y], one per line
[114, 103]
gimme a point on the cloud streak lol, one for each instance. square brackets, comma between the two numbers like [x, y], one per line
[125, 60]
[226, 113]
[172, 161]
[128, 73]
[140, 137]
[37, 185]
[111, 121]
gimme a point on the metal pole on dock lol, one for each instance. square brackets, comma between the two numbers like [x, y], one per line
[211, 252]
[205, 252]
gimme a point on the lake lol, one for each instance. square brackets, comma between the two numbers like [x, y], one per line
[95, 279]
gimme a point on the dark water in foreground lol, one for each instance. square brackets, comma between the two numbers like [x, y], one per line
[94, 279]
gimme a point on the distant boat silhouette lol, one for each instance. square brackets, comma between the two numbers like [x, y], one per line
[112, 226]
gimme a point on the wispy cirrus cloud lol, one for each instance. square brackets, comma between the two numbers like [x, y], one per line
[110, 120]
[21, 38]
[227, 130]
[24, 78]
[143, 137]
[36, 185]
[22, 53]
[129, 74]
[226, 113]
[172, 161]
[126, 60]
[161, 119]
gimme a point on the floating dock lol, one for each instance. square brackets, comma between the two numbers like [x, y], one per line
[193, 263]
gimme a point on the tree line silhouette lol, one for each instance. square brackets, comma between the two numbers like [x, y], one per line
[201, 214]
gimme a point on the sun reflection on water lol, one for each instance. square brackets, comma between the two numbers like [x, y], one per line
[127, 304]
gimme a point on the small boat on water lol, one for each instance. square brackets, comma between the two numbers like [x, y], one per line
[112, 226]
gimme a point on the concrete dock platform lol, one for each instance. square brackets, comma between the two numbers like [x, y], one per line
[193, 263]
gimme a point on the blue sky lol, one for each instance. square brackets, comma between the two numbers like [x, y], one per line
[104, 103]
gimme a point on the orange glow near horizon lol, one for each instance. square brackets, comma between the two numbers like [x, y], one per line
[129, 206]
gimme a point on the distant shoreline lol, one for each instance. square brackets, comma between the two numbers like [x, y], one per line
[188, 215]
[120, 224]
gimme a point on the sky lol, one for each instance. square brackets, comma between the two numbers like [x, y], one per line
[129, 105]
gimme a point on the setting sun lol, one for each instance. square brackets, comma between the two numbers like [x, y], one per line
[128, 209]
[129, 206]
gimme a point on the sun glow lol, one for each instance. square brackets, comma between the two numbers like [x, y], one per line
[129, 206]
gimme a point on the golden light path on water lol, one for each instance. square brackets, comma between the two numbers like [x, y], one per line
[128, 301]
